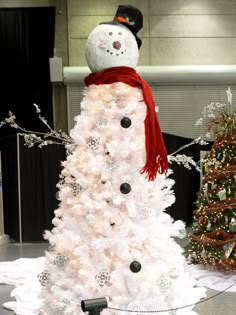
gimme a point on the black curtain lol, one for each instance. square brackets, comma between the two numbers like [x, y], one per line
[8, 147]
[39, 174]
[187, 182]
[38, 171]
[27, 42]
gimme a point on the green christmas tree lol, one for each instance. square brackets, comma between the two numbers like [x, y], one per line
[213, 240]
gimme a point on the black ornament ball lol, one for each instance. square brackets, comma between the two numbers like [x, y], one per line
[135, 266]
[125, 188]
[125, 122]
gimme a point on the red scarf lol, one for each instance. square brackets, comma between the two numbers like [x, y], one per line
[156, 156]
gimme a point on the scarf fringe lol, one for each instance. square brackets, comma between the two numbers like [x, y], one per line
[151, 170]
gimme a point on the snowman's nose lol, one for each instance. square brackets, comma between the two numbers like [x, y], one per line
[116, 45]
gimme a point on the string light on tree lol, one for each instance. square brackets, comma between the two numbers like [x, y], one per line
[214, 227]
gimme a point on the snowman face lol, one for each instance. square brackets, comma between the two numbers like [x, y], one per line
[111, 46]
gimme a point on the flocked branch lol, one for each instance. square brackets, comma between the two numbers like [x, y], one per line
[38, 138]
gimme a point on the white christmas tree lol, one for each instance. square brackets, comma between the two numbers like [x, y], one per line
[112, 237]
[110, 216]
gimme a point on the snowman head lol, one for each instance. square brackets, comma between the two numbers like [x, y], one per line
[115, 43]
[110, 46]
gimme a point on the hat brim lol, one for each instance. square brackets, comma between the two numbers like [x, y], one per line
[138, 40]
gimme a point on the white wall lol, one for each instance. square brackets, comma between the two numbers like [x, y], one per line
[175, 32]
[23, 3]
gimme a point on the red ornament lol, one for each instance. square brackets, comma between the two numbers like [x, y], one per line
[204, 221]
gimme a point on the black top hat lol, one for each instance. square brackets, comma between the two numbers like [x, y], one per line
[130, 17]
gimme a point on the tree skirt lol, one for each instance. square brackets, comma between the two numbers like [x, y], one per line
[213, 279]
[22, 273]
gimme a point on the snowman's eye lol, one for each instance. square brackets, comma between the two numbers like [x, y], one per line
[110, 33]
[119, 33]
